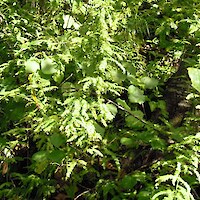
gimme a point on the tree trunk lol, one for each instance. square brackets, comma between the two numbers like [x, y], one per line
[177, 89]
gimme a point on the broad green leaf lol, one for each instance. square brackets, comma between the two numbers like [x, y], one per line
[41, 166]
[162, 104]
[194, 75]
[145, 136]
[127, 142]
[71, 189]
[31, 66]
[57, 139]
[58, 77]
[149, 83]
[138, 113]
[153, 105]
[157, 104]
[123, 104]
[117, 76]
[133, 80]
[40, 155]
[128, 182]
[67, 87]
[158, 143]
[15, 110]
[112, 108]
[48, 66]
[2, 141]
[41, 159]
[56, 155]
[107, 187]
[134, 122]
[136, 95]
[98, 128]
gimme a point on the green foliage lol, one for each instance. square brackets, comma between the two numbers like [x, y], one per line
[195, 77]
[187, 159]
[136, 95]
[31, 66]
[75, 79]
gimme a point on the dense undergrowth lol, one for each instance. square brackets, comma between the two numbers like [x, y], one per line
[87, 105]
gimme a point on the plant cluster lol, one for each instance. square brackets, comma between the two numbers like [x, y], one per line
[82, 107]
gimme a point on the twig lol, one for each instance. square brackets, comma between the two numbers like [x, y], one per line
[81, 194]
[66, 79]
[138, 118]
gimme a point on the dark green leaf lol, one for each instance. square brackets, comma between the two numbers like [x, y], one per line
[128, 182]
[57, 139]
[158, 143]
[135, 122]
[127, 142]
[2, 141]
[57, 156]
[41, 166]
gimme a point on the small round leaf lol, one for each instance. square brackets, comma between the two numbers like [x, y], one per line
[48, 66]
[31, 66]
[149, 83]
[127, 142]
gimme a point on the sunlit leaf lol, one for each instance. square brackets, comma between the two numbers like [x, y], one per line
[94, 151]
[112, 108]
[58, 77]
[69, 22]
[136, 95]
[48, 66]
[31, 66]
[39, 156]
[198, 107]
[70, 167]
[123, 103]
[194, 75]
[193, 28]
[149, 83]
[90, 128]
[117, 76]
